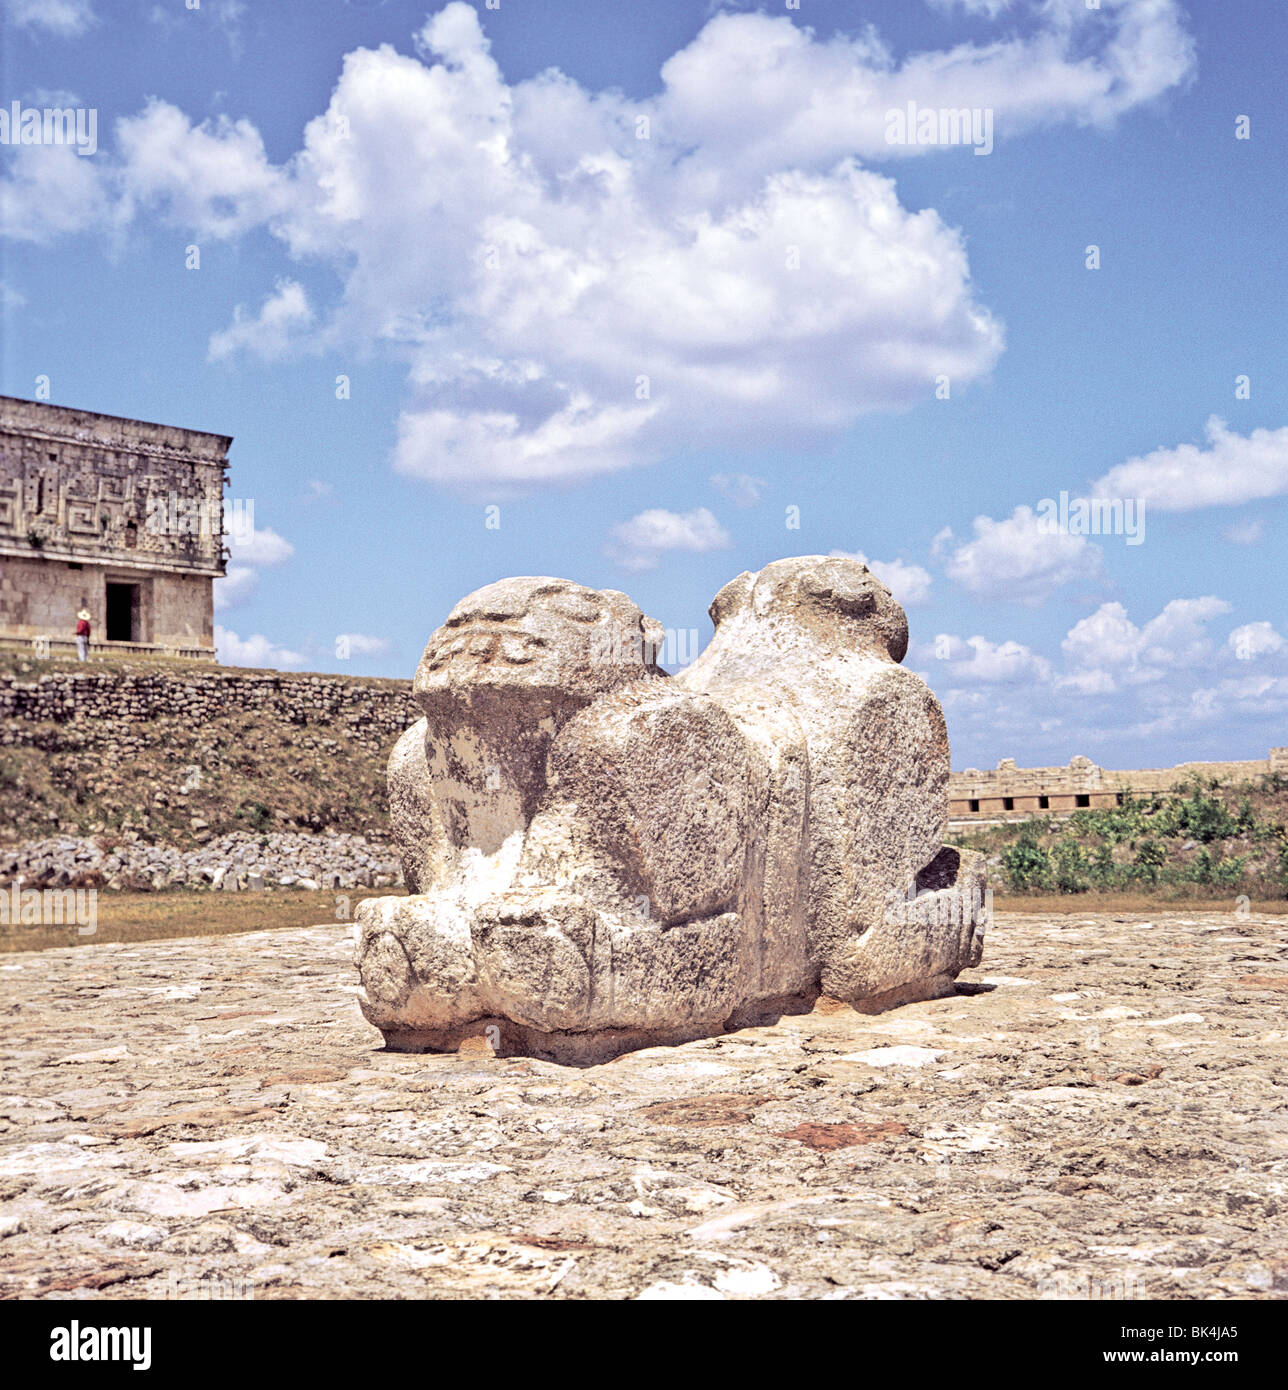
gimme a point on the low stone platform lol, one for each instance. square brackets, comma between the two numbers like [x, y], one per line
[1100, 1111]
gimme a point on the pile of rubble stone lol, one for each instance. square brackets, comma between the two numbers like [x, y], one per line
[232, 862]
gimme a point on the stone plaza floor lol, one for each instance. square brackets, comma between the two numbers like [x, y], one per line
[1100, 1111]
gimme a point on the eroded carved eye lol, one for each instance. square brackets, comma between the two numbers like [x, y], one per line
[851, 594]
[855, 602]
[581, 607]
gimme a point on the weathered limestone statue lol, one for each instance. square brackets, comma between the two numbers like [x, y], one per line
[601, 856]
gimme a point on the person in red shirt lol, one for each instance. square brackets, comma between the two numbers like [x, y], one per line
[82, 635]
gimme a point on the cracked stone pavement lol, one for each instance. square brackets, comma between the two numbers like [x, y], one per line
[1100, 1111]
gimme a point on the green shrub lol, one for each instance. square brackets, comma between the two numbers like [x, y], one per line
[1229, 872]
[1150, 858]
[1223, 873]
[1197, 816]
[1105, 873]
[1026, 864]
[256, 815]
[1070, 867]
[1108, 823]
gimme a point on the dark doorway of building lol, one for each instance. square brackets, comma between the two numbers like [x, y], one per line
[122, 606]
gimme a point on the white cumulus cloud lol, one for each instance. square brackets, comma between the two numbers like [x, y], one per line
[213, 178]
[282, 318]
[235, 587]
[51, 191]
[1232, 468]
[721, 268]
[249, 552]
[989, 9]
[68, 19]
[263, 546]
[1106, 649]
[977, 660]
[1254, 640]
[256, 651]
[362, 644]
[1120, 683]
[1018, 559]
[639, 543]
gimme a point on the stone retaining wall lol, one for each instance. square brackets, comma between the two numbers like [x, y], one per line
[97, 709]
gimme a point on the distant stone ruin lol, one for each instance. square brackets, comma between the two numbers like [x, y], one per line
[602, 856]
[118, 518]
[1014, 793]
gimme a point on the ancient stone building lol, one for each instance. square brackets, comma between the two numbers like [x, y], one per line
[1010, 792]
[117, 516]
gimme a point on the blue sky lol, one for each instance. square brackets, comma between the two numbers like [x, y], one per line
[652, 281]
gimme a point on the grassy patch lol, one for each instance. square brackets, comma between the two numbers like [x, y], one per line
[162, 916]
[1110, 904]
[247, 773]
